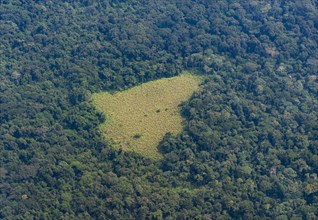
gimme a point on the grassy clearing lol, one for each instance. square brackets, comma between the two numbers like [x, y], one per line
[138, 118]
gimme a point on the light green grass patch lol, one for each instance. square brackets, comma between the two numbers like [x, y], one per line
[138, 118]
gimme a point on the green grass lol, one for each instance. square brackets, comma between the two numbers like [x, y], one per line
[137, 119]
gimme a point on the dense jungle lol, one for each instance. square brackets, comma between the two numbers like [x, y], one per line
[249, 146]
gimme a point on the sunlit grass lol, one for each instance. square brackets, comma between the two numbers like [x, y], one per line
[137, 119]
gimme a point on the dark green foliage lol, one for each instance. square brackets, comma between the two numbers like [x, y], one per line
[249, 149]
[137, 136]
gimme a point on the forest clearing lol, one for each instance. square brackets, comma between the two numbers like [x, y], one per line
[137, 119]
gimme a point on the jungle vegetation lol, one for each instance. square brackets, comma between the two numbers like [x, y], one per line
[250, 140]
